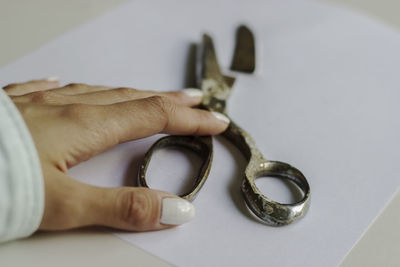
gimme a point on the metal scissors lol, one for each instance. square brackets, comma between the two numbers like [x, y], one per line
[217, 88]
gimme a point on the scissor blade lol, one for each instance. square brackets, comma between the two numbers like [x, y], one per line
[210, 67]
[244, 58]
[229, 80]
[216, 87]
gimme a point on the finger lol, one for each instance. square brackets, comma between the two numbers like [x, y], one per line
[145, 117]
[104, 95]
[138, 209]
[188, 97]
[17, 89]
[126, 208]
[79, 88]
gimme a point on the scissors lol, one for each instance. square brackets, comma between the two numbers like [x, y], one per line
[216, 90]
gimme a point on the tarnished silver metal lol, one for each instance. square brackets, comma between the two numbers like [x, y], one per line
[244, 58]
[266, 209]
[213, 83]
[202, 146]
[216, 93]
[216, 90]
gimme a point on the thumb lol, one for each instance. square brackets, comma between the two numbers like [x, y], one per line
[71, 204]
[137, 208]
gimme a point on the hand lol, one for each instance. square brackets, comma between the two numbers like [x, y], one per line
[73, 123]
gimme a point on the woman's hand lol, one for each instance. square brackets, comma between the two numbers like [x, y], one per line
[73, 123]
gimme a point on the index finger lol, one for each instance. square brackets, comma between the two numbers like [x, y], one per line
[17, 89]
[145, 117]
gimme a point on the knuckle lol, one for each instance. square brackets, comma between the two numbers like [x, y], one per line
[178, 94]
[75, 85]
[162, 108]
[138, 209]
[203, 122]
[78, 112]
[124, 92]
[197, 128]
[42, 97]
[162, 105]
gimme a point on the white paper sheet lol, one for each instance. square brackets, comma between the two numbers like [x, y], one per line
[325, 99]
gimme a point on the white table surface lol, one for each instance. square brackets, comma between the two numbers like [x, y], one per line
[24, 27]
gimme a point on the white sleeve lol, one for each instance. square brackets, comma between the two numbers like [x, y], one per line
[21, 181]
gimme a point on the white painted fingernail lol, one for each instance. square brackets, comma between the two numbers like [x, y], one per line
[221, 117]
[52, 79]
[193, 92]
[176, 211]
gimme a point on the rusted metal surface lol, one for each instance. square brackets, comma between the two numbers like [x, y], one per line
[266, 209]
[244, 58]
[216, 90]
[202, 146]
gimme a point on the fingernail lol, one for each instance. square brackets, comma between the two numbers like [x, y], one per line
[221, 117]
[193, 92]
[52, 79]
[176, 211]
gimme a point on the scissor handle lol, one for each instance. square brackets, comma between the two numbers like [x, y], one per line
[269, 211]
[202, 146]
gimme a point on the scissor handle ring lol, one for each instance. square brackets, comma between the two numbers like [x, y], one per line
[269, 211]
[202, 146]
